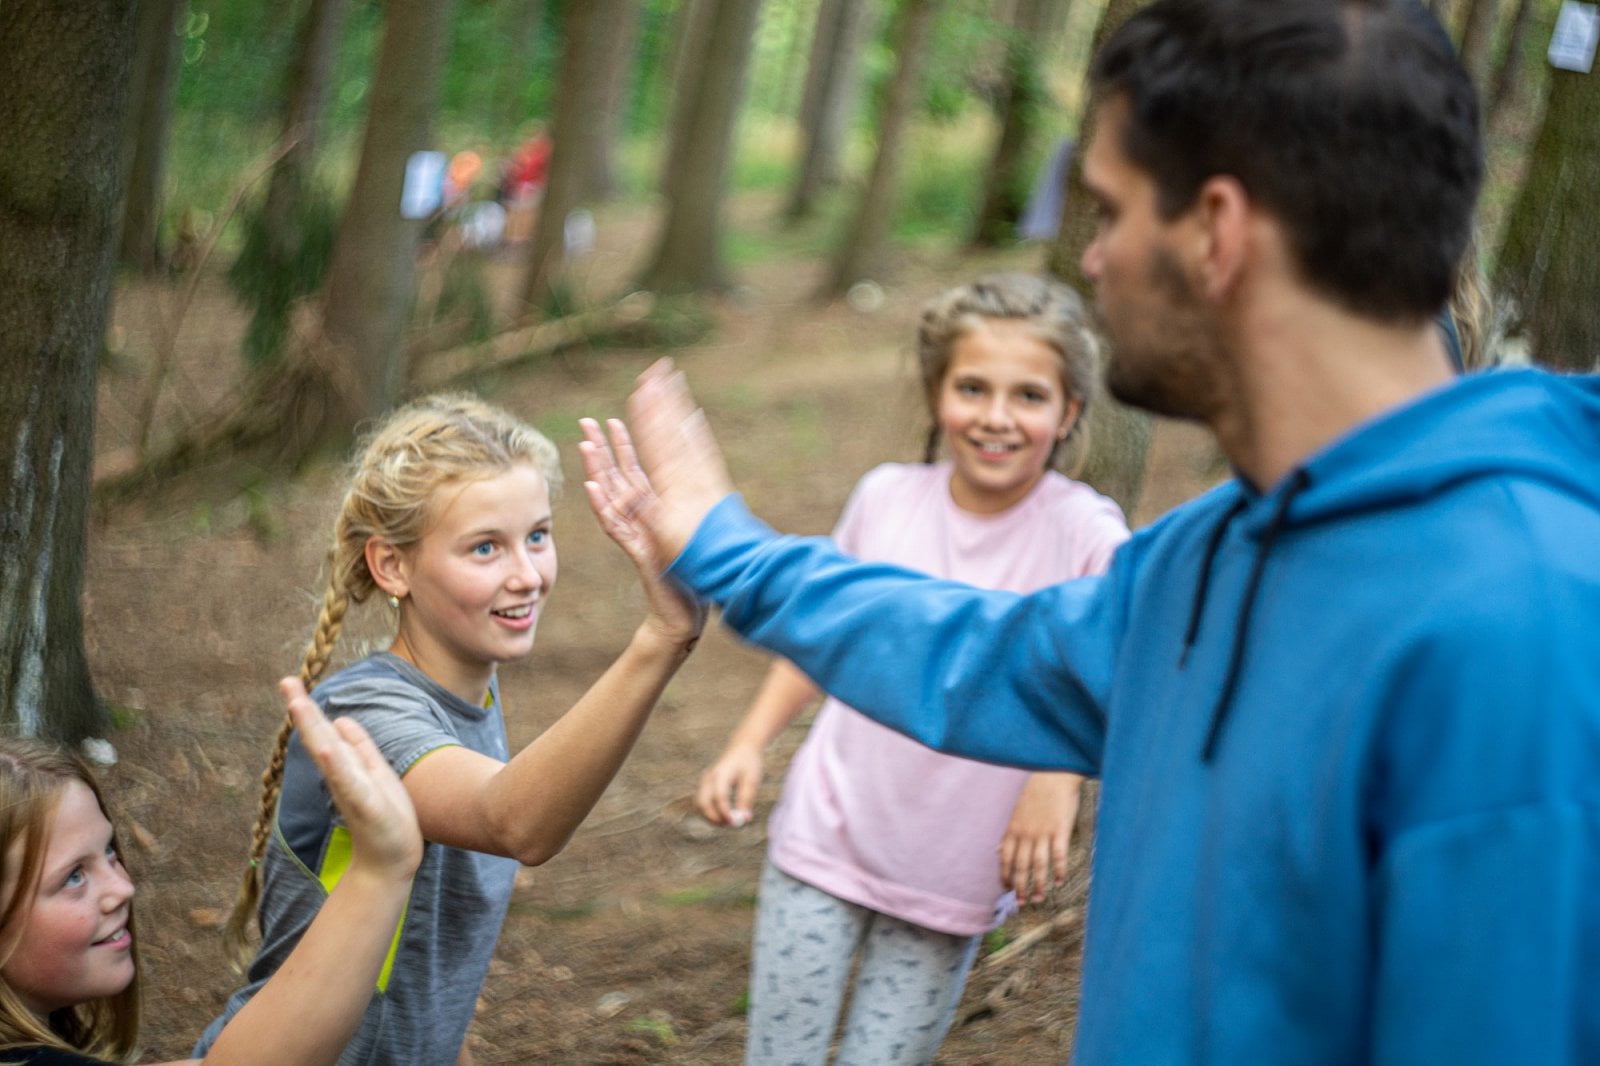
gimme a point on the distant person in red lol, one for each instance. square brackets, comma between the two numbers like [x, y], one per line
[524, 184]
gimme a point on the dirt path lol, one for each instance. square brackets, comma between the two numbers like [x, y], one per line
[631, 946]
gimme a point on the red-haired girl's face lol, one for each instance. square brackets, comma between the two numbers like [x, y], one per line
[73, 944]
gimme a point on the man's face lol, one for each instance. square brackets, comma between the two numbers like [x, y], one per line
[1161, 356]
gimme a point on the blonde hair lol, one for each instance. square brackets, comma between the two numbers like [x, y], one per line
[400, 467]
[33, 777]
[1052, 311]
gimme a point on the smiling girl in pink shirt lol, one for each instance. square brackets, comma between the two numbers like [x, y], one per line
[879, 846]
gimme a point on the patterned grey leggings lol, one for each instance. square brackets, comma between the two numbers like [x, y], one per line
[906, 989]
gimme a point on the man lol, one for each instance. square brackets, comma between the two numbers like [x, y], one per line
[1345, 708]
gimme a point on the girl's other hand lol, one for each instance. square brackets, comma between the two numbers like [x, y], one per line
[1033, 852]
[727, 794]
[620, 496]
[375, 805]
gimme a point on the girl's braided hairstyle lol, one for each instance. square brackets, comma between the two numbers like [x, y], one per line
[420, 448]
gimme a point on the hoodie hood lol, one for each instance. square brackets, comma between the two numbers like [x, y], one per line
[1522, 424]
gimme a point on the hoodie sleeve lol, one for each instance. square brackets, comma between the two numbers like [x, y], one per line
[1028, 673]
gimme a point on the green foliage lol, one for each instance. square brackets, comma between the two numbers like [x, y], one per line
[275, 268]
[124, 717]
[995, 939]
[944, 172]
[660, 1028]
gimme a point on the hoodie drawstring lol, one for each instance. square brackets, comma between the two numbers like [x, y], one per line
[1205, 578]
[1297, 484]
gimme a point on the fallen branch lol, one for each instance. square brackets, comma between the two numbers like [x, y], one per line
[542, 338]
[1064, 919]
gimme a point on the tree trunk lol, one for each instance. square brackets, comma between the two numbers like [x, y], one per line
[832, 83]
[580, 96]
[1477, 39]
[372, 276]
[1023, 96]
[691, 26]
[1546, 264]
[59, 185]
[281, 275]
[620, 32]
[688, 254]
[149, 118]
[1508, 79]
[859, 254]
[1119, 436]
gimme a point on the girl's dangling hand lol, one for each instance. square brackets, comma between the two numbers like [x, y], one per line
[621, 495]
[375, 805]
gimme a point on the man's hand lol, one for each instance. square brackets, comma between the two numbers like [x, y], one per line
[676, 454]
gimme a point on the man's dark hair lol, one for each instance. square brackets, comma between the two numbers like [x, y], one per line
[1351, 121]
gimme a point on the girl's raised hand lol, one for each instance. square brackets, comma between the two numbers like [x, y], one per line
[622, 499]
[375, 805]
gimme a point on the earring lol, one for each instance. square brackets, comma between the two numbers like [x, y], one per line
[394, 602]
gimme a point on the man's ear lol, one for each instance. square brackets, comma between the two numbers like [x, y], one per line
[1224, 212]
[388, 567]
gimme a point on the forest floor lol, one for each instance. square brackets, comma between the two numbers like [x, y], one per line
[631, 946]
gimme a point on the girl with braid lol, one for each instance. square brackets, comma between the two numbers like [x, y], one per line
[447, 516]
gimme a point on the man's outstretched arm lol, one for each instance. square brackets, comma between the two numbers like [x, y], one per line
[989, 675]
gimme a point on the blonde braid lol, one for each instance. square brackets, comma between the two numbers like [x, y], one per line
[335, 603]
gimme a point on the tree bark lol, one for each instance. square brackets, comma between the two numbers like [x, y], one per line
[1119, 436]
[688, 254]
[1508, 79]
[282, 276]
[372, 276]
[61, 109]
[147, 125]
[1546, 263]
[1023, 95]
[691, 27]
[599, 180]
[859, 255]
[580, 96]
[832, 84]
[1477, 39]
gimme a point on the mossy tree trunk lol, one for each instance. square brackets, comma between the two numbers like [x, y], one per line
[1119, 436]
[372, 277]
[1546, 263]
[59, 186]
[688, 253]
[148, 120]
[601, 180]
[1477, 39]
[580, 97]
[832, 83]
[1022, 96]
[860, 253]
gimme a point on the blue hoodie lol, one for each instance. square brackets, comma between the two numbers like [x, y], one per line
[1348, 733]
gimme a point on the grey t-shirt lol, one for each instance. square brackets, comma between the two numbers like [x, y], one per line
[428, 989]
